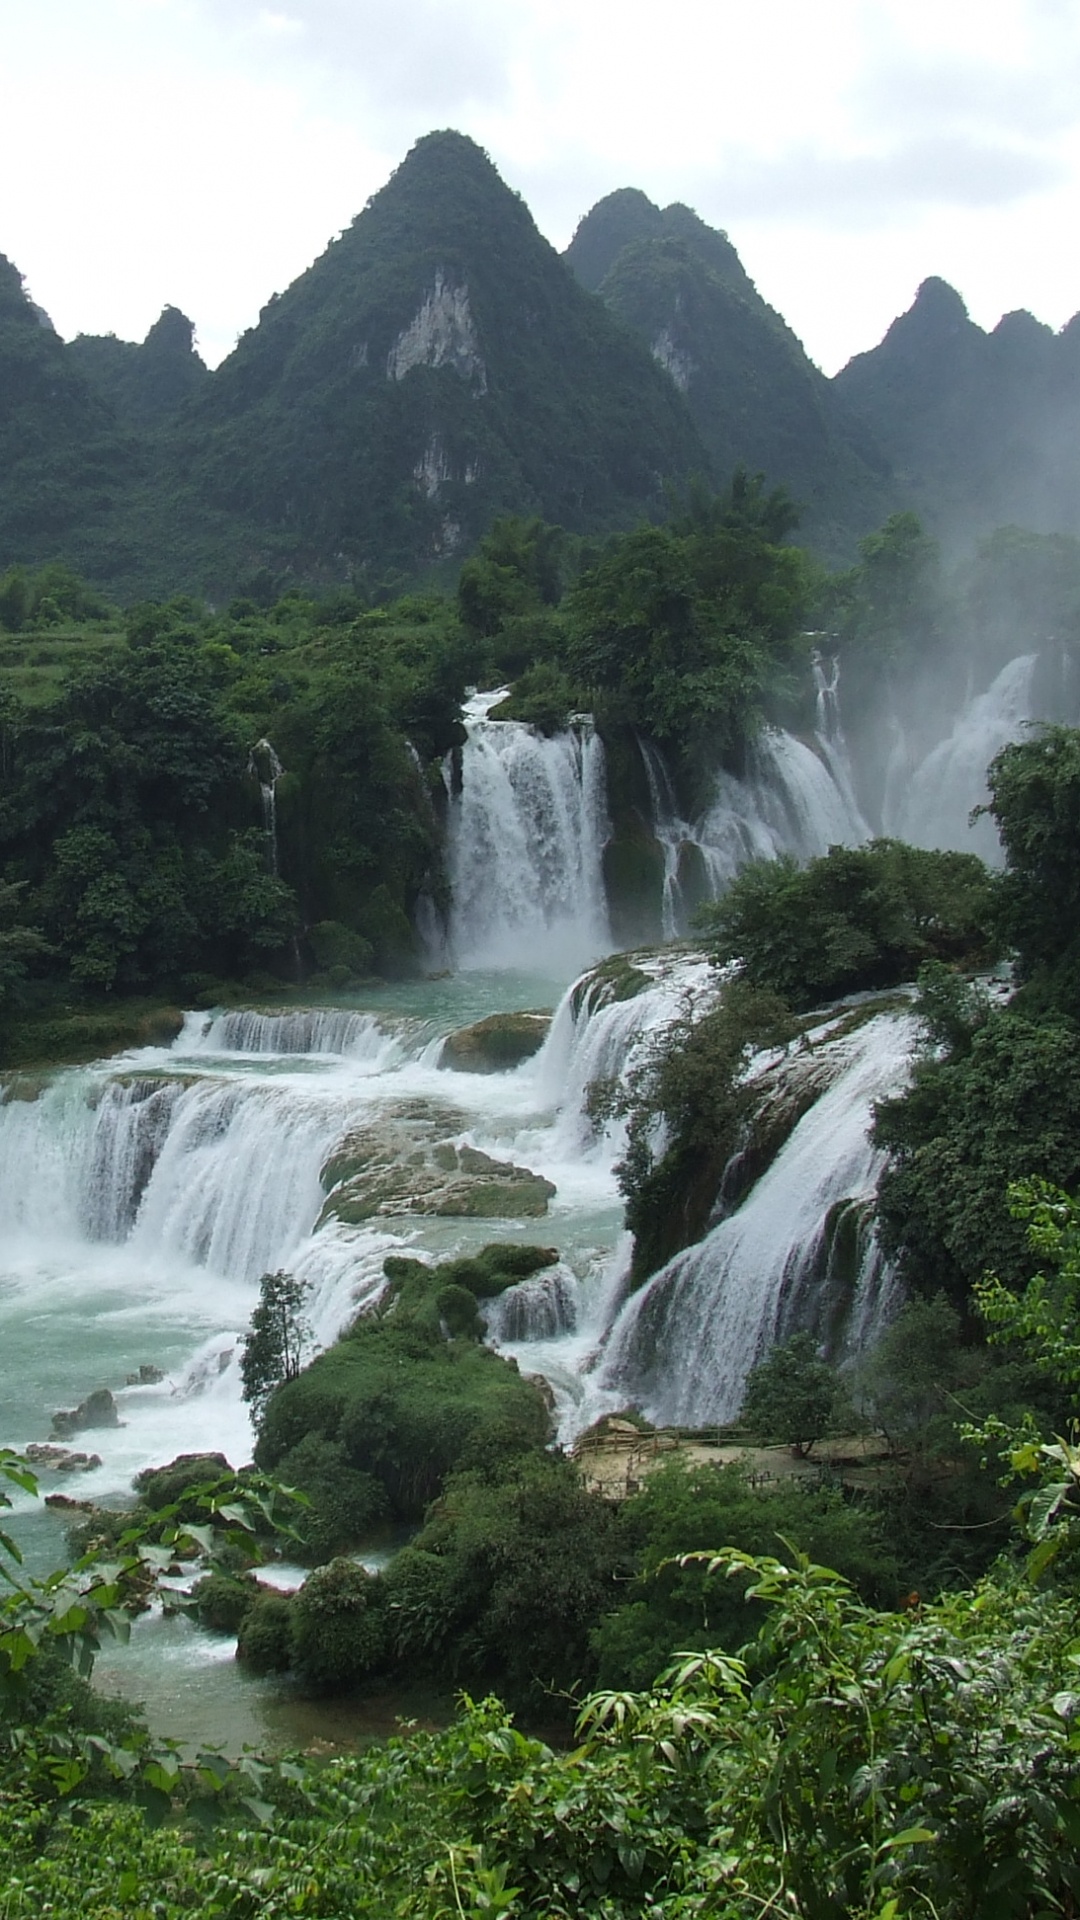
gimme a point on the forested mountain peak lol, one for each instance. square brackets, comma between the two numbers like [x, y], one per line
[435, 366]
[753, 394]
[982, 427]
[145, 383]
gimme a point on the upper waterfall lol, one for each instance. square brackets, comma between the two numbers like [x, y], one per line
[930, 802]
[525, 844]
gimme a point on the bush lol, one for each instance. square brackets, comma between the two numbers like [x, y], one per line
[504, 1582]
[682, 1508]
[222, 1600]
[346, 1503]
[860, 917]
[264, 1642]
[338, 1627]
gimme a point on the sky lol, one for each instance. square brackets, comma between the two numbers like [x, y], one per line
[201, 153]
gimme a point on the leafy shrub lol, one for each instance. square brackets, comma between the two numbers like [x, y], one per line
[338, 1627]
[265, 1641]
[222, 1600]
[345, 1502]
[860, 917]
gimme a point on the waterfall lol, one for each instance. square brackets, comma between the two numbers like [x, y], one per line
[540, 1308]
[683, 1344]
[929, 803]
[224, 1173]
[672, 833]
[791, 800]
[359, 1037]
[525, 845]
[596, 1039]
[266, 768]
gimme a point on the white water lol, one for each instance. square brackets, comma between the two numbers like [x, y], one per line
[525, 845]
[929, 801]
[683, 1345]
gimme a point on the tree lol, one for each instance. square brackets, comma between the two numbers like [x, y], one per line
[1035, 800]
[274, 1346]
[791, 1395]
[858, 917]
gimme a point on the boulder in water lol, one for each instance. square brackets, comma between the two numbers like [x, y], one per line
[496, 1044]
[401, 1165]
[97, 1410]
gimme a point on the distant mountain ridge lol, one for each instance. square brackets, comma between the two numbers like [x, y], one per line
[982, 429]
[440, 364]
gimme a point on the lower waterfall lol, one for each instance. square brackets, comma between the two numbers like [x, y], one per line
[683, 1345]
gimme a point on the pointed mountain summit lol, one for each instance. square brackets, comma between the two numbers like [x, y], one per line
[983, 429]
[436, 366]
[144, 383]
[61, 454]
[755, 397]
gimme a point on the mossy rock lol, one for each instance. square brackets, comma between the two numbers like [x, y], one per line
[396, 1167]
[634, 884]
[615, 979]
[497, 1044]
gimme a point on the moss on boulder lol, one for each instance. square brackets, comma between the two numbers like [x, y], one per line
[496, 1044]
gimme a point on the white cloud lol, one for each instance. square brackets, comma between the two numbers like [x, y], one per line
[204, 151]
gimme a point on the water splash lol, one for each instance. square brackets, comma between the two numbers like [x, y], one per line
[929, 803]
[525, 844]
[683, 1344]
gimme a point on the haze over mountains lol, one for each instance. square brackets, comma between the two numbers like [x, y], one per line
[441, 364]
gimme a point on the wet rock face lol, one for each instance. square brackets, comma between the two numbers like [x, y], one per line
[406, 1164]
[97, 1410]
[496, 1044]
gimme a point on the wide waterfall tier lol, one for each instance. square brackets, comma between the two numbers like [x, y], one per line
[799, 1253]
[525, 845]
[929, 802]
[220, 1173]
[359, 1037]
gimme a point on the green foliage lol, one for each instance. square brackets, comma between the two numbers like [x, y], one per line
[407, 1398]
[265, 1634]
[858, 917]
[686, 1105]
[970, 1126]
[791, 1395]
[274, 1343]
[345, 1503]
[671, 1605]
[338, 1627]
[685, 630]
[504, 1582]
[880, 1766]
[1035, 800]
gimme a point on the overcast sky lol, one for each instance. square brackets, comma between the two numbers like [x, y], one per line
[202, 152]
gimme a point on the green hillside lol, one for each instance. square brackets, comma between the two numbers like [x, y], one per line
[753, 394]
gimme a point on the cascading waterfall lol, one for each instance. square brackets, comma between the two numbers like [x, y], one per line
[929, 803]
[672, 832]
[221, 1172]
[683, 1344]
[360, 1037]
[525, 844]
[790, 801]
